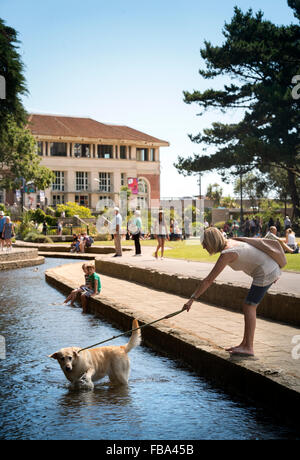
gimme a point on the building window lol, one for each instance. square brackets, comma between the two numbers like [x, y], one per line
[142, 202]
[123, 152]
[129, 152]
[82, 200]
[143, 186]
[59, 182]
[58, 199]
[142, 154]
[82, 150]
[104, 202]
[105, 151]
[123, 180]
[152, 155]
[105, 182]
[81, 181]
[58, 149]
[142, 198]
[39, 148]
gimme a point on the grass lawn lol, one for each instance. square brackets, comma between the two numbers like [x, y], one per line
[194, 251]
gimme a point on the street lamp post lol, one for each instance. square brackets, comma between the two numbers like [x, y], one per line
[24, 183]
[241, 191]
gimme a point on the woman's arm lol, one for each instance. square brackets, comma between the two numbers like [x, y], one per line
[221, 263]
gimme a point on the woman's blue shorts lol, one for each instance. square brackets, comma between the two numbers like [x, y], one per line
[256, 294]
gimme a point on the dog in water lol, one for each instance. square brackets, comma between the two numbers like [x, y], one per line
[88, 366]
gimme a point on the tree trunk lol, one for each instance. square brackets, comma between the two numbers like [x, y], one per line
[294, 194]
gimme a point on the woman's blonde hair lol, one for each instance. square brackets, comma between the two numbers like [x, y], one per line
[213, 240]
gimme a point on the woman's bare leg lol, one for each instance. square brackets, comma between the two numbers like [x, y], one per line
[162, 247]
[246, 346]
[157, 249]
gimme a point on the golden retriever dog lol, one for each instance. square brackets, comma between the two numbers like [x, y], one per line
[88, 366]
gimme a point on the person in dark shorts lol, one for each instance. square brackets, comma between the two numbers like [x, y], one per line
[240, 255]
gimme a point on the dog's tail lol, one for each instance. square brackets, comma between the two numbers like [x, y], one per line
[135, 338]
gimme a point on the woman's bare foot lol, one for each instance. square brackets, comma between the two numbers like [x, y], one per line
[233, 348]
[242, 351]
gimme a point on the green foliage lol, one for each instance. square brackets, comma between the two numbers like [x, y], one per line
[12, 69]
[37, 215]
[35, 237]
[25, 226]
[214, 192]
[73, 209]
[3, 208]
[261, 59]
[51, 221]
[18, 159]
[228, 202]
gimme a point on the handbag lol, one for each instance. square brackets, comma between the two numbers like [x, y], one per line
[271, 247]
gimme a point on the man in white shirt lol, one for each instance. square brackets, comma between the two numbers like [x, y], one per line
[116, 230]
[272, 235]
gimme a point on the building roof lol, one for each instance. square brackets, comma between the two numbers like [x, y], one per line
[63, 126]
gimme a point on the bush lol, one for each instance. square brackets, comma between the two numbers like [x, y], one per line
[25, 226]
[34, 237]
[73, 209]
[51, 221]
[3, 208]
[220, 224]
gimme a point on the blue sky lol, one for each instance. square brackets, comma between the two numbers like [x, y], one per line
[128, 62]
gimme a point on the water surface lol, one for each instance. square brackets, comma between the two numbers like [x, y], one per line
[163, 400]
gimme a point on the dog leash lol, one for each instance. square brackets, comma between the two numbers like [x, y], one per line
[170, 315]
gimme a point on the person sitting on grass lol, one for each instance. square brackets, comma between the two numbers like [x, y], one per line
[290, 240]
[271, 235]
[72, 296]
[93, 290]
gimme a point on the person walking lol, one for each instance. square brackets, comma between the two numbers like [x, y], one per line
[2, 222]
[45, 226]
[287, 223]
[116, 230]
[240, 255]
[136, 228]
[278, 226]
[161, 233]
[7, 233]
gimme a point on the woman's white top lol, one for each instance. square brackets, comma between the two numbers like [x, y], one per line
[255, 263]
[291, 239]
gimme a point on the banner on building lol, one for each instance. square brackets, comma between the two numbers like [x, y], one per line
[18, 195]
[133, 185]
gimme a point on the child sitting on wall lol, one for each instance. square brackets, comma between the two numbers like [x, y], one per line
[72, 296]
[94, 289]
